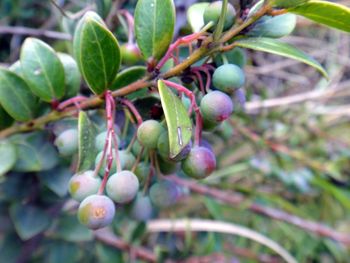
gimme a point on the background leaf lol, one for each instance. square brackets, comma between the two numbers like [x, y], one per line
[280, 48]
[154, 26]
[16, 97]
[8, 156]
[87, 133]
[178, 122]
[195, 16]
[326, 13]
[29, 220]
[56, 180]
[97, 53]
[72, 75]
[42, 69]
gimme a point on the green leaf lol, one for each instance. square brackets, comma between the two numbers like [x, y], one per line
[72, 75]
[60, 251]
[69, 229]
[277, 47]
[326, 13]
[154, 26]
[5, 119]
[87, 133]
[42, 70]
[195, 16]
[16, 97]
[177, 119]
[29, 220]
[8, 156]
[34, 153]
[287, 3]
[108, 254]
[97, 52]
[56, 180]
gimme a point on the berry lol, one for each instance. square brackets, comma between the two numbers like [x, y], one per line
[84, 184]
[130, 54]
[136, 149]
[100, 140]
[67, 142]
[127, 159]
[200, 163]
[113, 168]
[274, 27]
[168, 167]
[96, 211]
[122, 187]
[148, 133]
[216, 106]
[163, 194]
[142, 171]
[164, 151]
[141, 208]
[228, 78]
[213, 12]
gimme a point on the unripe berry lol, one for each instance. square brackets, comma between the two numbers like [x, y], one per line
[84, 184]
[213, 12]
[127, 159]
[216, 106]
[142, 171]
[228, 78]
[136, 149]
[96, 211]
[122, 187]
[164, 150]
[100, 140]
[141, 208]
[168, 167]
[164, 194]
[200, 163]
[148, 133]
[67, 142]
[130, 54]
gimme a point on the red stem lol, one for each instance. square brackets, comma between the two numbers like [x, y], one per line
[68, 102]
[133, 109]
[130, 20]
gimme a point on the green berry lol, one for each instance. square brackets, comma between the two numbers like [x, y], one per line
[228, 78]
[127, 159]
[200, 163]
[168, 167]
[136, 149]
[216, 106]
[100, 140]
[148, 133]
[213, 12]
[130, 54]
[122, 187]
[67, 142]
[84, 184]
[96, 211]
[142, 171]
[141, 208]
[113, 168]
[164, 194]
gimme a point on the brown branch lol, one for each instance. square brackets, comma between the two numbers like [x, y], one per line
[107, 237]
[20, 30]
[236, 199]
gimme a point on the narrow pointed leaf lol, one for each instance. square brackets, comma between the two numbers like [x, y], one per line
[97, 53]
[42, 70]
[16, 97]
[286, 3]
[87, 133]
[177, 119]
[154, 26]
[8, 157]
[326, 13]
[277, 47]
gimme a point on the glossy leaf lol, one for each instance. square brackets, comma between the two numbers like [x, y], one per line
[60, 251]
[177, 119]
[5, 119]
[56, 180]
[195, 16]
[42, 69]
[277, 47]
[16, 97]
[108, 254]
[287, 3]
[326, 13]
[72, 75]
[16, 68]
[8, 156]
[97, 52]
[154, 26]
[87, 133]
[43, 155]
[29, 220]
[69, 229]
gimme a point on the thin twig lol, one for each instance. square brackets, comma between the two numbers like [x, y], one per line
[20, 30]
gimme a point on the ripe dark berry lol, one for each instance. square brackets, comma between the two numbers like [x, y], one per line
[228, 78]
[84, 184]
[96, 211]
[216, 106]
[67, 142]
[122, 187]
[164, 194]
[200, 163]
[213, 12]
[148, 133]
